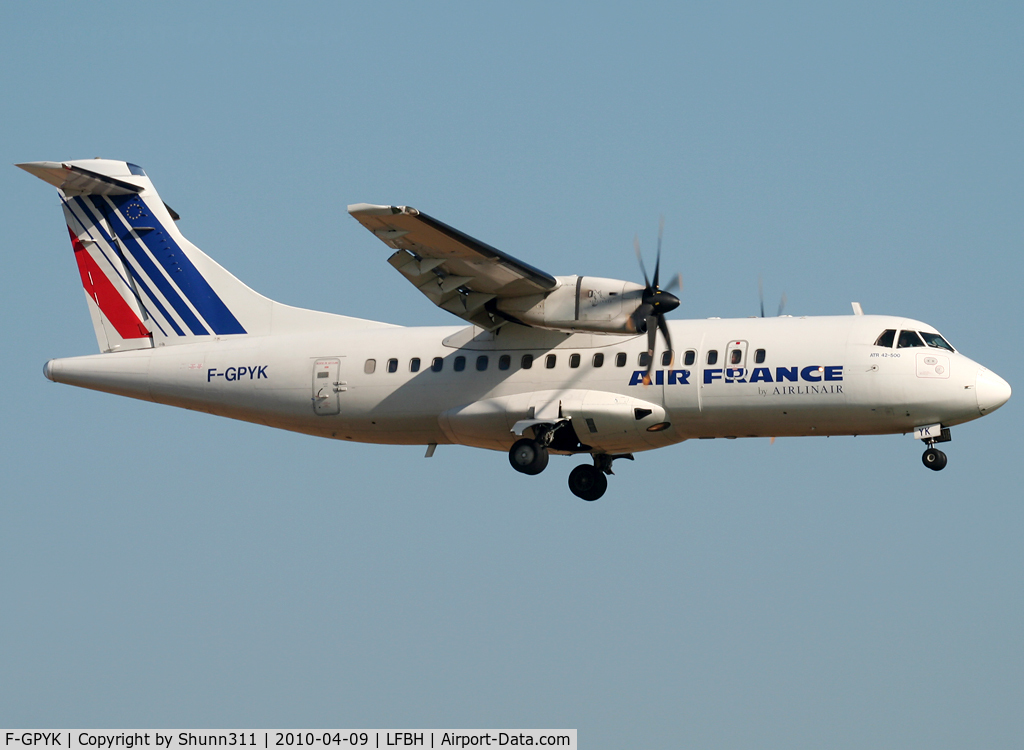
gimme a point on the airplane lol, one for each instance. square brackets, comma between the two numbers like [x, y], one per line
[538, 365]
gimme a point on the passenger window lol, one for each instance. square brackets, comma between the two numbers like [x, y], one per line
[414, 364]
[666, 358]
[599, 359]
[527, 362]
[886, 338]
[574, 360]
[370, 366]
[736, 356]
[908, 339]
[713, 357]
[460, 364]
[437, 364]
[620, 359]
[759, 357]
[934, 339]
[549, 361]
[504, 362]
[481, 363]
[392, 365]
[643, 359]
[690, 357]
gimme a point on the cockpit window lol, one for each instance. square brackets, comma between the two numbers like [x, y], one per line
[934, 339]
[908, 339]
[886, 338]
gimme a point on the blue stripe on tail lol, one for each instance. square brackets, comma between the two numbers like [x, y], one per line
[177, 264]
[138, 252]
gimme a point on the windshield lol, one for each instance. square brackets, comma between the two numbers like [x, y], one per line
[887, 337]
[935, 340]
[908, 339]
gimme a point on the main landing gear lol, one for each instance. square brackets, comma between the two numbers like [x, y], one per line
[587, 482]
[529, 456]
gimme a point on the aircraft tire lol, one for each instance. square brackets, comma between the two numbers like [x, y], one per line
[527, 456]
[587, 482]
[934, 459]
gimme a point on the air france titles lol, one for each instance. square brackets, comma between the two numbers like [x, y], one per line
[821, 379]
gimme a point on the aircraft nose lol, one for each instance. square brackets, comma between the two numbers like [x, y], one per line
[992, 391]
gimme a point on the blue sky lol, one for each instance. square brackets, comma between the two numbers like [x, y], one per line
[165, 568]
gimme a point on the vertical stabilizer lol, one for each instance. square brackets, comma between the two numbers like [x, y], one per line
[145, 284]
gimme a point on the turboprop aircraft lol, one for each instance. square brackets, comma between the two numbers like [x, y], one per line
[539, 365]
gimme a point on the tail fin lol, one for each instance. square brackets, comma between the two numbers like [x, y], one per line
[146, 285]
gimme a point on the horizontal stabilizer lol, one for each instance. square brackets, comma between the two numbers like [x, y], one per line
[76, 180]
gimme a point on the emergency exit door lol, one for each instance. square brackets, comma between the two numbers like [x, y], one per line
[736, 362]
[327, 386]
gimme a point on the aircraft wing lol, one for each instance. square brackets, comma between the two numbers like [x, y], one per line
[455, 271]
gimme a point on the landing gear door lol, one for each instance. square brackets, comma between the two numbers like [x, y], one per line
[327, 387]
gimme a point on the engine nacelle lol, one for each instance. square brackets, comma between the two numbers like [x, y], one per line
[579, 303]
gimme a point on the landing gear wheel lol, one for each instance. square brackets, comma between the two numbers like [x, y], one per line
[528, 456]
[587, 482]
[934, 459]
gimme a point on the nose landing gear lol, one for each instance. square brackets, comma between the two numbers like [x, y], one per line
[934, 459]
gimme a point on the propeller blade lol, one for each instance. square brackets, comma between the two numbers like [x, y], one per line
[663, 327]
[760, 291]
[657, 262]
[652, 336]
[640, 258]
[650, 314]
[782, 304]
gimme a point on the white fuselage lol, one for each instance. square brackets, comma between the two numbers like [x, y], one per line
[819, 376]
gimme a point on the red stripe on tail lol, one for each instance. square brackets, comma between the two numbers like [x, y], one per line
[103, 293]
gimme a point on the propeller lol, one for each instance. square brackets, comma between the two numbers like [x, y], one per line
[655, 303]
[760, 294]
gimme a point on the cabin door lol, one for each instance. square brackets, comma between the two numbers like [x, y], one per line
[328, 386]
